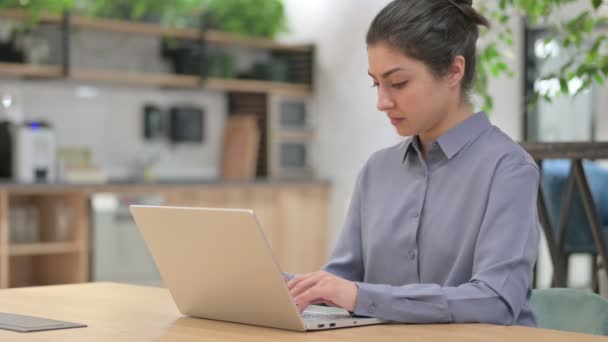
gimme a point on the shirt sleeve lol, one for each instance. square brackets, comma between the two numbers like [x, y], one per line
[505, 252]
[346, 260]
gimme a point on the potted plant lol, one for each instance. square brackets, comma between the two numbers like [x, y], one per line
[35, 8]
[178, 13]
[256, 18]
[14, 35]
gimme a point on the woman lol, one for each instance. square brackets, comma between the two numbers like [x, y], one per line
[442, 227]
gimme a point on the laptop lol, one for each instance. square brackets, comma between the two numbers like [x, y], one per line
[218, 265]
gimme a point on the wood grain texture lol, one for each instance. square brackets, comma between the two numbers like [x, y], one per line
[132, 313]
[139, 79]
[30, 70]
[4, 240]
[253, 86]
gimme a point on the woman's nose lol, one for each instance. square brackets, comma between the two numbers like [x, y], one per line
[385, 102]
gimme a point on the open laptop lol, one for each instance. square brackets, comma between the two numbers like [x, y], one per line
[218, 265]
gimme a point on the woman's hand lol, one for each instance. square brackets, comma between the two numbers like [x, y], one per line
[322, 287]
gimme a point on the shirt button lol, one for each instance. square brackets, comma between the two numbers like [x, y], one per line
[412, 255]
[415, 214]
[372, 308]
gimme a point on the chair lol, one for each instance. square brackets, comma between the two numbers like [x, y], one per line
[578, 232]
[571, 310]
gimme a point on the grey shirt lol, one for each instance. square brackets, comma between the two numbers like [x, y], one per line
[450, 239]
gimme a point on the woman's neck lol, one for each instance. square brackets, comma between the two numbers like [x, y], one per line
[451, 119]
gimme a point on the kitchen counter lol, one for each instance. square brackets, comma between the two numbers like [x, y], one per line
[293, 215]
[133, 185]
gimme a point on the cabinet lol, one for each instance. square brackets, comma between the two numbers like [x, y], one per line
[58, 249]
[43, 238]
[291, 133]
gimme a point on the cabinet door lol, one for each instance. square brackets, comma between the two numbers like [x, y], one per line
[291, 133]
[293, 218]
[303, 224]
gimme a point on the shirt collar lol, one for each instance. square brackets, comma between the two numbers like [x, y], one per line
[454, 140]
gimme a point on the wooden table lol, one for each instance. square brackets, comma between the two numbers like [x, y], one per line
[576, 152]
[116, 312]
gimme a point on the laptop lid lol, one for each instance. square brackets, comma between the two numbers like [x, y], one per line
[217, 265]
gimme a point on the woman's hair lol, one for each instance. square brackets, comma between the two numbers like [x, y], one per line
[431, 31]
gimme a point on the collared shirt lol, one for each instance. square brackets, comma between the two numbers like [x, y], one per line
[453, 238]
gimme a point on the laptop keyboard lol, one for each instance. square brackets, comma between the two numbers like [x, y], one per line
[323, 316]
[324, 313]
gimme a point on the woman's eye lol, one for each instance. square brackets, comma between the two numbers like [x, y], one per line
[375, 85]
[399, 85]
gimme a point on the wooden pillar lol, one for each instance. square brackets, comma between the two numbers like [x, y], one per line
[4, 240]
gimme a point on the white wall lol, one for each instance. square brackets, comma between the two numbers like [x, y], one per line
[601, 124]
[350, 127]
[108, 122]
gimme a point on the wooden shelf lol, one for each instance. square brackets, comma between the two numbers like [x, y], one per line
[21, 15]
[218, 37]
[45, 248]
[151, 79]
[296, 135]
[252, 86]
[140, 79]
[162, 80]
[30, 70]
[131, 27]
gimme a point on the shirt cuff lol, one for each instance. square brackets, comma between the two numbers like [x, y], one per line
[366, 304]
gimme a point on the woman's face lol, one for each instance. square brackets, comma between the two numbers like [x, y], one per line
[411, 96]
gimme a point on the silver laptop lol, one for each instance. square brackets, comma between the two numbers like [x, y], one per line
[218, 265]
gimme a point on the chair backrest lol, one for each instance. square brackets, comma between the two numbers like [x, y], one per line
[555, 173]
[571, 310]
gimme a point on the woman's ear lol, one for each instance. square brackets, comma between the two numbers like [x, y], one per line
[456, 71]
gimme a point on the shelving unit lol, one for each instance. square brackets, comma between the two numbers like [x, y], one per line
[135, 79]
[56, 255]
[299, 59]
[19, 14]
[29, 70]
[291, 137]
[302, 56]
[253, 86]
[129, 27]
[45, 248]
[294, 217]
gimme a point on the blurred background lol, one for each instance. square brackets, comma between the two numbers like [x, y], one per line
[262, 104]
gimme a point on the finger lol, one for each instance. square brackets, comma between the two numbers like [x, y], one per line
[300, 278]
[314, 294]
[305, 285]
[302, 306]
[297, 279]
[324, 302]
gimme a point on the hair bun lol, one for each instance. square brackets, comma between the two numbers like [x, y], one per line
[466, 8]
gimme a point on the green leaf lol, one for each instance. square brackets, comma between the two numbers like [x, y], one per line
[599, 78]
[502, 5]
[138, 11]
[563, 85]
[596, 3]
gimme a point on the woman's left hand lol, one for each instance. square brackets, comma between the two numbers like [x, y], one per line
[322, 287]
